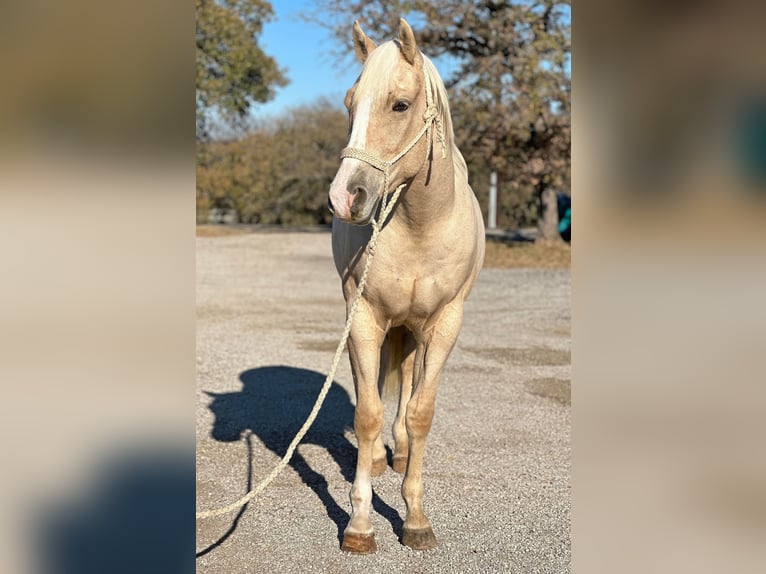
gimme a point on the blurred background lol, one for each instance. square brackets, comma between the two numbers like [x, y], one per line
[669, 276]
[97, 290]
[100, 144]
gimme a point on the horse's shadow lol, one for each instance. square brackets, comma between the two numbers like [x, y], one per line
[273, 404]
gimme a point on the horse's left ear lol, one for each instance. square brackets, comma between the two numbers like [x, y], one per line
[362, 44]
[407, 42]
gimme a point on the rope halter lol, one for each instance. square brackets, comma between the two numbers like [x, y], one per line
[430, 117]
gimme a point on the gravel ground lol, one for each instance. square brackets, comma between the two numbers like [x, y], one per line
[269, 316]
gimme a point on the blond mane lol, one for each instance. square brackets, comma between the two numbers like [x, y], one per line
[377, 75]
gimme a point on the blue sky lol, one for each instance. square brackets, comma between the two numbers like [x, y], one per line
[304, 50]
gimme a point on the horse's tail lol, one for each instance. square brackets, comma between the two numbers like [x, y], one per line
[391, 357]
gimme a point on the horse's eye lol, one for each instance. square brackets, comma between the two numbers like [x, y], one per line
[400, 106]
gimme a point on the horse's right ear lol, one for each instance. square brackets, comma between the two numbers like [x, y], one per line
[362, 44]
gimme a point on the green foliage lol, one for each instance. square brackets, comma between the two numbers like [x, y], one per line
[280, 172]
[232, 71]
[509, 93]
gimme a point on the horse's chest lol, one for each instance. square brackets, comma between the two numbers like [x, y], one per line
[406, 296]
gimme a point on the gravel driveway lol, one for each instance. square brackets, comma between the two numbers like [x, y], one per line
[269, 316]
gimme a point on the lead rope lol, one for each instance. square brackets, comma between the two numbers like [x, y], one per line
[371, 246]
[386, 209]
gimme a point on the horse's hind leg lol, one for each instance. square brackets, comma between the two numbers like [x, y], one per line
[401, 441]
[364, 352]
[391, 354]
[431, 354]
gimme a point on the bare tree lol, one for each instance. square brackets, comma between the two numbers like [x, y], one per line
[510, 87]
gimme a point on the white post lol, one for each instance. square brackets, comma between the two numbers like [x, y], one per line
[492, 215]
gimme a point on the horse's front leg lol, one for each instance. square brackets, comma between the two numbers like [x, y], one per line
[430, 356]
[364, 351]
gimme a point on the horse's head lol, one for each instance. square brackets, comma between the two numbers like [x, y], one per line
[386, 108]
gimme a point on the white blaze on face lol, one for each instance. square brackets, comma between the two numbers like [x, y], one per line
[339, 195]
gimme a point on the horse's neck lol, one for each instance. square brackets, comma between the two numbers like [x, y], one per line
[431, 195]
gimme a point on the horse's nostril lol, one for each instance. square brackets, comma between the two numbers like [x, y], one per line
[358, 190]
[360, 198]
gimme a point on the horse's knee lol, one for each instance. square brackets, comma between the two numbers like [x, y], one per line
[368, 420]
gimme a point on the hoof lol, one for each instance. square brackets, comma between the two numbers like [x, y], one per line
[359, 543]
[399, 464]
[379, 467]
[419, 539]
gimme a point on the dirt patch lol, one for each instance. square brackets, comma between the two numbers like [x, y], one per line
[219, 231]
[527, 254]
[321, 346]
[535, 356]
[321, 302]
[558, 390]
[563, 331]
[471, 369]
[216, 312]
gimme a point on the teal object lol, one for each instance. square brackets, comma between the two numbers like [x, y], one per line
[751, 144]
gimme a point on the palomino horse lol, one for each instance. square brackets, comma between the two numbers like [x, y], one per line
[429, 252]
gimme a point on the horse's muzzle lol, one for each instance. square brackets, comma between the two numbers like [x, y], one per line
[354, 192]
